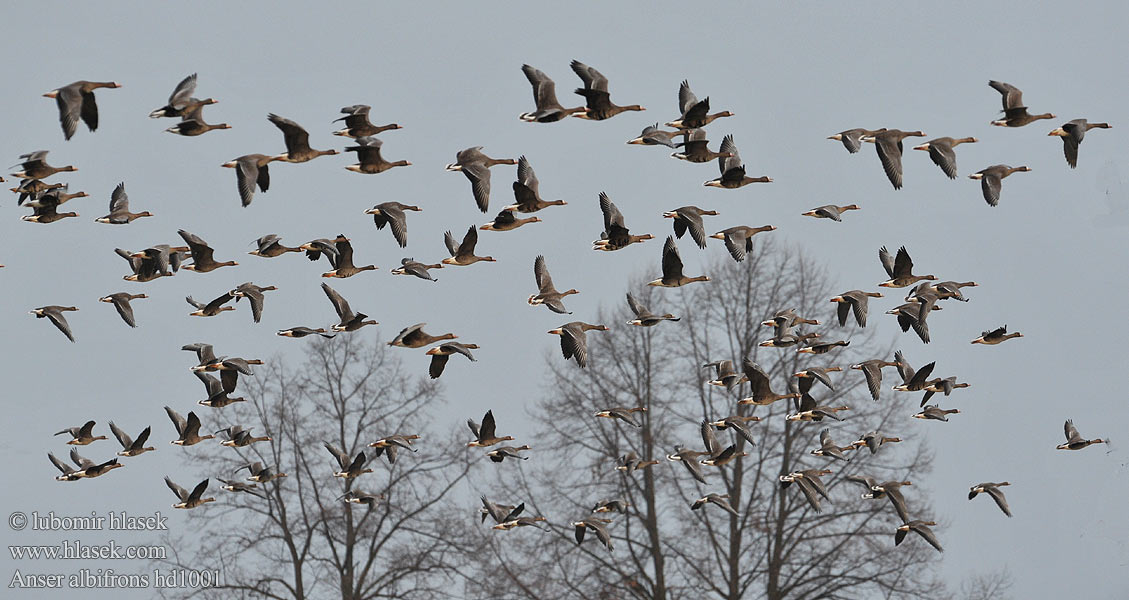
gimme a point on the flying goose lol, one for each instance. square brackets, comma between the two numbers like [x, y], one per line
[936, 413]
[251, 170]
[993, 490]
[192, 123]
[527, 194]
[991, 180]
[500, 513]
[259, 473]
[1074, 441]
[121, 300]
[301, 332]
[827, 447]
[872, 370]
[821, 347]
[598, 528]
[392, 214]
[35, 167]
[442, 353]
[520, 522]
[716, 454]
[623, 413]
[476, 166]
[181, 100]
[630, 462]
[506, 221]
[254, 294]
[854, 301]
[350, 468]
[739, 240]
[484, 434]
[1072, 133]
[462, 254]
[900, 269]
[787, 318]
[501, 453]
[695, 148]
[652, 135]
[598, 105]
[830, 211]
[349, 321]
[615, 234]
[912, 315]
[996, 336]
[939, 385]
[725, 374]
[672, 268]
[202, 261]
[607, 506]
[1015, 113]
[237, 437]
[239, 486]
[732, 169]
[415, 337]
[54, 314]
[574, 341]
[389, 446]
[810, 484]
[695, 113]
[721, 500]
[369, 159]
[762, 394]
[357, 124]
[45, 210]
[217, 393]
[689, 218]
[119, 209]
[819, 374]
[410, 266]
[912, 381]
[88, 469]
[189, 500]
[547, 294]
[873, 440]
[132, 447]
[297, 141]
[188, 430]
[889, 146]
[738, 423]
[549, 109]
[83, 435]
[69, 473]
[941, 151]
[852, 138]
[920, 528]
[643, 316]
[76, 101]
[689, 459]
[212, 308]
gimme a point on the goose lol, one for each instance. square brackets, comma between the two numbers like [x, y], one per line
[389, 446]
[33, 189]
[501, 453]
[520, 522]
[35, 167]
[476, 166]
[889, 146]
[854, 301]
[689, 459]
[189, 500]
[132, 447]
[738, 423]
[549, 110]
[716, 454]
[356, 497]
[52, 198]
[119, 209]
[121, 301]
[55, 314]
[212, 308]
[315, 249]
[725, 374]
[942, 153]
[991, 180]
[672, 268]
[270, 246]
[920, 528]
[598, 529]
[938, 385]
[721, 500]
[821, 347]
[506, 221]
[237, 437]
[607, 506]
[88, 469]
[912, 314]
[251, 170]
[462, 254]
[993, 490]
[193, 124]
[259, 473]
[500, 513]
[254, 294]
[527, 193]
[598, 104]
[873, 440]
[996, 336]
[392, 214]
[415, 337]
[643, 316]
[239, 486]
[762, 394]
[484, 434]
[1074, 441]
[900, 269]
[297, 142]
[623, 413]
[739, 240]
[369, 159]
[912, 381]
[787, 318]
[574, 341]
[442, 353]
[188, 430]
[547, 294]
[181, 101]
[785, 337]
[357, 124]
[893, 491]
[229, 367]
[350, 468]
[695, 113]
[809, 484]
[202, 261]
[942, 290]
[830, 211]
[653, 136]
[410, 266]
[46, 210]
[205, 353]
[615, 235]
[819, 374]
[873, 492]
[76, 101]
[82, 436]
[732, 169]
[630, 462]
[852, 138]
[695, 148]
[301, 332]
[936, 413]
[350, 321]
[1072, 133]
[810, 412]
[827, 447]
[69, 473]
[1015, 113]
[342, 260]
[217, 395]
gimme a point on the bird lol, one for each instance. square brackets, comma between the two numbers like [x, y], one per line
[409, 266]
[46, 209]
[121, 301]
[615, 235]
[808, 410]
[695, 113]
[819, 374]
[462, 254]
[484, 434]
[607, 506]
[623, 413]
[501, 453]
[35, 168]
[415, 337]
[830, 211]
[350, 321]
[189, 500]
[188, 430]
[500, 513]
[716, 454]
[259, 473]
[991, 180]
[996, 336]
[297, 142]
[506, 221]
[254, 294]
[672, 268]
[82, 436]
[732, 169]
[888, 144]
[892, 490]
[912, 381]
[762, 394]
[192, 123]
[941, 152]
[33, 189]
[598, 528]
[476, 166]
[54, 314]
[251, 170]
[357, 124]
[943, 290]
[721, 500]
[854, 301]
[695, 148]
[873, 440]
[1072, 133]
[181, 101]
[993, 490]
[212, 308]
[547, 294]
[76, 101]
[238, 437]
[1015, 113]
[238, 486]
[598, 104]
[912, 314]
[69, 473]
[527, 192]
[388, 446]
[350, 468]
[574, 341]
[369, 160]
[725, 374]
[132, 447]
[119, 209]
[922, 529]
[739, 239]
[936, 413]
[689, 459]
[821, 347]
[202, 260]
[738, 423]
[852, 138]
[788, 318]
[393, 215]
[827, 447]
[217, 394]
[520, 522]
[342, 260]
[441, 353]
[549, 110]
[630, 462]
[1074, 441]
[301, 332]
[89, 469]
[652, 135]
[899, 269]
[939, 385]
[809, 482]
[643, 316]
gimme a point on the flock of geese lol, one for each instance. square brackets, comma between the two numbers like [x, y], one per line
[687, 136]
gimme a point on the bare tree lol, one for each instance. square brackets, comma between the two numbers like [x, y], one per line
[296, 537]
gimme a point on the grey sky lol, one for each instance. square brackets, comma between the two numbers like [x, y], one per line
[1050, 259]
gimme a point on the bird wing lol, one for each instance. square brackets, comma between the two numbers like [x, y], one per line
[541, 274]
[574, 344]
[873, 379]
[671, 262]
[903, 264]
[998, 495]
[944, 156]
[710, 440]
[70, 104]
[438, 362]
[176, 489]
[119, 201]
[991, 185]
[728, 146]
[295, 137]
[470, 240]
[887, 260]
[1011, 96]
[890, 153]
[487, 429]
[593, 79]
[60, 321]
[339, 303]
[636, 308]
[198, 491]
[123, 437]
[526, 176]
[479, 176]
[686, 98]
[612, 216]
[121, 303]
[735, 241]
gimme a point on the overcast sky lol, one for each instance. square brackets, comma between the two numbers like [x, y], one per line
[1050, 259]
